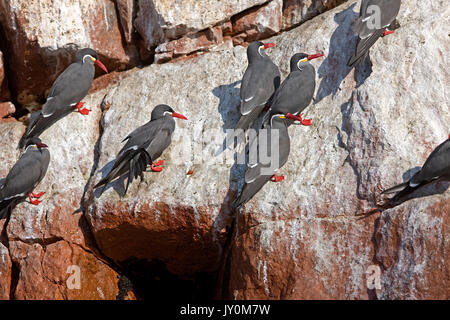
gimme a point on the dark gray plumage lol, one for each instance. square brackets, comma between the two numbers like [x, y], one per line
[367, 33]
[297, 90]
[436, 167]
[69, 88]
[254, 178]
[25, 175]
[261, 79]
[144, 145]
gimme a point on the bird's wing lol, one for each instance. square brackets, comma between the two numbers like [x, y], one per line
[437, 165]
[363, 46]
[162, 139]
[295, 93]
[141, 136]
[258, 85]
[134, 156]
[282, 153]
[388, 10]
[23, 176]
[67, 89]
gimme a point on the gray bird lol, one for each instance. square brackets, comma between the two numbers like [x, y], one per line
[436, 168]
[296, 91]
[376, 19]
[65, 95]
[260, 81]
[25, 175]
[259, 172]
[145, 144]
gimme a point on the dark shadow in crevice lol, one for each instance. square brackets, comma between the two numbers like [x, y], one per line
[152, 281]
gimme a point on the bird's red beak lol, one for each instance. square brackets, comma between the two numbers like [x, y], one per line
[41, 145]
[314, 56]
[101, 65]
[269, 45]
[177, 115]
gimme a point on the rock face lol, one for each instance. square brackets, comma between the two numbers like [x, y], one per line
[50, 244]
[302, 238]
[303, 241]
[4, 90]
[260, 20]
[42, 37]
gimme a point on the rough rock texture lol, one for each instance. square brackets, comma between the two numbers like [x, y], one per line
[4, 90]
[42, 37]
[298, 239]
[5, 272]
[257, 22]
[413, 249]
[45, 240]
[6, 109]
[151, 222]
[159, 20]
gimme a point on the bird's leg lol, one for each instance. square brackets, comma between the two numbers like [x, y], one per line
[37, 196]
[388, 32]
[35, 202]
[83, 111]
[276, 178]
[156, 166]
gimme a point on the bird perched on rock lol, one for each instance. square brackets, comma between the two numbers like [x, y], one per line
[436, 168]
[261, 79]
[65, 95]
[376, 19]
[25, 175]
[145, 144]
[259, 171]
[296, 91]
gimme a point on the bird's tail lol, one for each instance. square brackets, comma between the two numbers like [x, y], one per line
[5, 207]
[31, 132]
[137, 161]
[401, 190]
[396, 188]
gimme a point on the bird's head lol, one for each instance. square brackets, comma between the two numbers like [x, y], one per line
[162, 110]
[256, 49]
[36, 142]
[88, 55]
[300, 59]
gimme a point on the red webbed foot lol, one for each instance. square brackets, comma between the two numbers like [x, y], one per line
[156, 166]
[37, 196]
[305, 122]
[276, 178]
[35, 202]
[82, 110]
[388, 32]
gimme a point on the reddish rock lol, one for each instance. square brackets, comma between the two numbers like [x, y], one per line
[260, 23]
[413, 248]
[126, 10]
[296, 12]
[186, 245]
[6, 109]
[43, 36]
[60, 270]
[45, 240]
[203, 41]
[5, 272]
[4, 90]
[297, 257]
